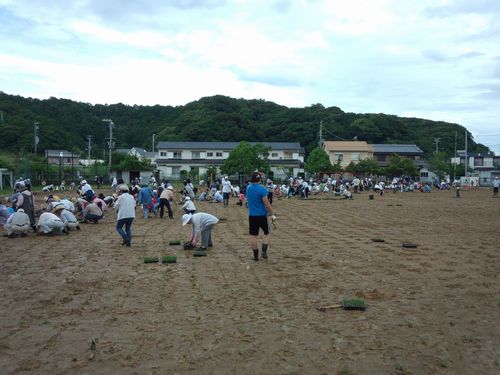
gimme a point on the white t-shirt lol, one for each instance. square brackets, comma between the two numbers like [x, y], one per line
[125, 206]
[226, 186]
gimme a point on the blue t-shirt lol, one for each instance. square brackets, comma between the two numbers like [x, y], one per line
[255, 192]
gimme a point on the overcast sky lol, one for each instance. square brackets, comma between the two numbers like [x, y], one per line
[433, 59]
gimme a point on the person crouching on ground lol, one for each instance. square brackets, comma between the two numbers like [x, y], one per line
[67, 217]
[17, 223]
[50, 224]
[93, 213]
[202, 228]
[125, 208]
[188, 206]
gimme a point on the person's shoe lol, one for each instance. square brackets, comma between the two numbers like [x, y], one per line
[24, 234]
[210, 245]
[77, 227]
[203, 248]
[256, 255]
[12, 235]
[128, 244]
[264, 254]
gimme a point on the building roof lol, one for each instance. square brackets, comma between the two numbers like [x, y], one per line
[122, 150]
[347, 146]
[170, 145]
[396, 149]
[139, 150]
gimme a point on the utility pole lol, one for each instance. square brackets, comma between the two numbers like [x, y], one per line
[466, 161]
[153, 142]
[455, 163]
[89, 139]
[36, 139]
[436, 141]
[111, 126]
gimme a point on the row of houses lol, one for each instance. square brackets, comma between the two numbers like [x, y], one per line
[285, 158]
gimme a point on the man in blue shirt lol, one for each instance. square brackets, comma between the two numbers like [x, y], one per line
[258, 210]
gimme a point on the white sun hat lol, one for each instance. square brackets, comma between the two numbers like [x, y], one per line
[186, 218]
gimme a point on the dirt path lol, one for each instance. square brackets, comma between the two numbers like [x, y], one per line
[432, 310]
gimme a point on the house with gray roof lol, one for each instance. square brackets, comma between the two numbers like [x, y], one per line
[173, 157]
[382, 153]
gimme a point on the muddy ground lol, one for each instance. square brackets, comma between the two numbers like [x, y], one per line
[431, 310]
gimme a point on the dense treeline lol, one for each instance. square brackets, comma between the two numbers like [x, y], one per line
[66, 124]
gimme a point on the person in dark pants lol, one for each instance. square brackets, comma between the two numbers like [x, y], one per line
[259, 209]
[166, 197]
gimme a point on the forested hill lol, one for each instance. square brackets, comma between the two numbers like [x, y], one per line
[65, 124]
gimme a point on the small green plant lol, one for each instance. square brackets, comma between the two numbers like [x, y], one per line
[169, 259]
[150, 259]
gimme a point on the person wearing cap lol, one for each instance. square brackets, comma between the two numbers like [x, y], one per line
[226, 190]
[17, 223]
[67, 217]
[50, 224]
[259, 209]
[86, 190]
[166, 197]
[203, 224]
[496, 185]
[26, 201]
[125, 208]
[188, 206]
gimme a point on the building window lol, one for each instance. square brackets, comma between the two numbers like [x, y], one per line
[218, 154]
[355, 156]
[338, 157]
[288, 155]
[163, 153]
[424, 174]
[68, 160]
[496, 162]
[177, 155]
[381, 157]
[478, 162]
[274, 154]
[176, 171]
[210, 154]
[195, 154]
[417, 157]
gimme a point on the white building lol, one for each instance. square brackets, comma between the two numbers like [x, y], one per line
[285, 158]
[485, 166]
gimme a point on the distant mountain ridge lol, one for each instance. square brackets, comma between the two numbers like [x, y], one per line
[65, 124]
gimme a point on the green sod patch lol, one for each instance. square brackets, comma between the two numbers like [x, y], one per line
[174, 242]
[378, 240]
[169, 259]
[150, 259]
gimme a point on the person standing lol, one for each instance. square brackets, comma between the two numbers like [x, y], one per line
[259, 209]
[226, 190]
[496, 185]
[125, 208]
[270, 190]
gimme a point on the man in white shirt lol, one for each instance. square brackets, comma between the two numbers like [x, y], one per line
[50, 224]
[125, 208]
[226, 190]
[202, 228]
[17, 223]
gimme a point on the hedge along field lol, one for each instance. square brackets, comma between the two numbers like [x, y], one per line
[84, 304]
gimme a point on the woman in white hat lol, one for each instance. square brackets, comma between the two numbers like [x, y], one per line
[202, 228]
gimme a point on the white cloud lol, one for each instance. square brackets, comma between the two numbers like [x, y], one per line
[434, 59]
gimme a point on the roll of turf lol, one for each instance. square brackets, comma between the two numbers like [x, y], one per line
[150, 259]
[200, 253]
[169, 259]
[174, 242]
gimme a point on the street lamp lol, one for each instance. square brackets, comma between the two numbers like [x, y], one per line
[36, 139]
[61, 155]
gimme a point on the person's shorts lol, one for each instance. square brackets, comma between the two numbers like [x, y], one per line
[258, 222]
[225, 195]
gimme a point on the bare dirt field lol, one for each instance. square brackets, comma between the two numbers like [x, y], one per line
[84, 304]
